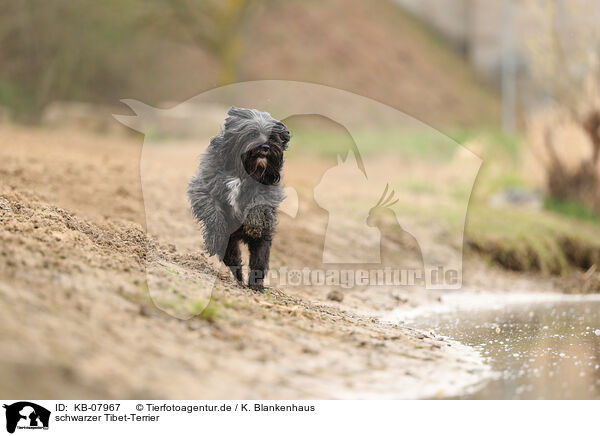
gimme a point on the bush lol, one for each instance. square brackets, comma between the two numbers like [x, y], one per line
[564, 155]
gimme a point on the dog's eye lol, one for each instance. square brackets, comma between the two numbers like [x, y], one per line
[253, 134]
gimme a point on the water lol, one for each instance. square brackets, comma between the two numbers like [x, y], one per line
[538, 351]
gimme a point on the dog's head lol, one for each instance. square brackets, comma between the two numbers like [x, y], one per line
[257, 142]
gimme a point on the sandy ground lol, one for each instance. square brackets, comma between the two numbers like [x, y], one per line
[78, 322]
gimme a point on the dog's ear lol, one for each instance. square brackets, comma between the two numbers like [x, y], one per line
[236, 117]
[284, 134]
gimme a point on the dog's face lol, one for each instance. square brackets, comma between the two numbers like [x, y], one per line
[257, 142]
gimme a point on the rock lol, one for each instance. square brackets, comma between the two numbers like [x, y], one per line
[146, 310]
[517, 197]
[336, 295]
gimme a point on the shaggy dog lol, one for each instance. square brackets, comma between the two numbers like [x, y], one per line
[236, 192]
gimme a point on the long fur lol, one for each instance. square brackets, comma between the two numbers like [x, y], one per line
[236, 191]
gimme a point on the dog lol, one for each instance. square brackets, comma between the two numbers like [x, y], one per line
[237, 190]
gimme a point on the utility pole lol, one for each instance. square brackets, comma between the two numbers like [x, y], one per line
[509, 102]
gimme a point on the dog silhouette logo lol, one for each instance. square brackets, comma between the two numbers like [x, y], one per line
[26, 415]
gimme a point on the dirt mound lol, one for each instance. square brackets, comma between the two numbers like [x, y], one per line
[373, 49]
[370, 48]
[51, 233]
[81, 288]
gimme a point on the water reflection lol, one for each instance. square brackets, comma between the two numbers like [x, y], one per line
[541, 351]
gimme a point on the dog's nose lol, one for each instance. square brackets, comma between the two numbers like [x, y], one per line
[264, 148]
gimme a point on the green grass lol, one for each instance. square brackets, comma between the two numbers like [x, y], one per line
[532, 240]
[208, 312]
[426, 143]
[497, 143]
[557, 240]
[16, 97]
[571, 209]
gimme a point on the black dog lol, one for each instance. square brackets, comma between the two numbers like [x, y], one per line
[237, 191]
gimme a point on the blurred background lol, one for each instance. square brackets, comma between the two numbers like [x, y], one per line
[162, 51]
[417, 55]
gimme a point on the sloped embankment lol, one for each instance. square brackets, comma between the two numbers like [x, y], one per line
[77, 321]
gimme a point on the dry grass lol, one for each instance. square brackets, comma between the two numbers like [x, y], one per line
[563, 155]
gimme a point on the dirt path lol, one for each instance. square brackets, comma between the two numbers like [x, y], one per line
[77, 321]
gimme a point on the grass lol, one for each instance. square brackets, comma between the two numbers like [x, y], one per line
[425, 143]
[207, 311]
[539, 241]
[497, 143]
[571, 209]
[19, 99]
[557, 240]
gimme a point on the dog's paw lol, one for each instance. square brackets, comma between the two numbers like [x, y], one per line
[237, 274]
[257, 287]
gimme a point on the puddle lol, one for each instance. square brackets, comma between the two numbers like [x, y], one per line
[539, 350]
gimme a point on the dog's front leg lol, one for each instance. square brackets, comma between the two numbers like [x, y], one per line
[260, 251]
[233, 258]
